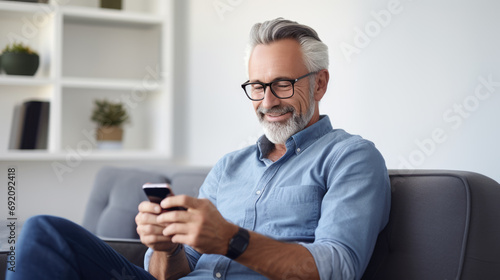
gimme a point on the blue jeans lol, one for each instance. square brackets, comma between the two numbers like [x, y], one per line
[54, 248]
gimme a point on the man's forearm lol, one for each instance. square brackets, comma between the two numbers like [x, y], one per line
[278, 260]
[162, 266]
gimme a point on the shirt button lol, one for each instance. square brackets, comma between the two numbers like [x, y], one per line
[218, 275]
[258, 192]
[298, 150]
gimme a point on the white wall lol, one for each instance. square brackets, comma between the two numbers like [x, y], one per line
[408, 84]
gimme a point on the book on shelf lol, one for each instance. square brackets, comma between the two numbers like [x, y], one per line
[30, 125]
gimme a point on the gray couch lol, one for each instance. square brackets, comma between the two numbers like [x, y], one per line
[443, 224]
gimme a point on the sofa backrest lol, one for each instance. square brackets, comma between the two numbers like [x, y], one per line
[442, 225]
[117, 191]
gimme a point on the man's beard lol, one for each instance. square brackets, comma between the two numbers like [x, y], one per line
[278, 132]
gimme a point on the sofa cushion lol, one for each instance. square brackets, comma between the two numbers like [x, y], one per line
[188, 181]
[442, 225]
[113, 202]
[132, 250]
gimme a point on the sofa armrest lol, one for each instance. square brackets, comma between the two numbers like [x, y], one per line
[132, 249]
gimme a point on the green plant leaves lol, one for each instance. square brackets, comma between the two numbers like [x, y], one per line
[107, 113]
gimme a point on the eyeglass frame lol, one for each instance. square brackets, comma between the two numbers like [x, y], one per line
[265, 85]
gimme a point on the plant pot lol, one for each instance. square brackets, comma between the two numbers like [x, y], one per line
[20, 63]
[111, 4]
[109, 137]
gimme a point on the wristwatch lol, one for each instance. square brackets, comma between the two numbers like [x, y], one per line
[238, 244]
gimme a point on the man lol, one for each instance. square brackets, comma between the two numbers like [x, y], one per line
[305, 202]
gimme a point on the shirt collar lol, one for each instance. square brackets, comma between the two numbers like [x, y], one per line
[300, 141]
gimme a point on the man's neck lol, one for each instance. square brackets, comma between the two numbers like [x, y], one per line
[277, 152]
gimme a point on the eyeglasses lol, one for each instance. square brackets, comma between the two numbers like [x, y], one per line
[282, 88]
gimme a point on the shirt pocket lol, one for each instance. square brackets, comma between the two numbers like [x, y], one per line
[292, 211]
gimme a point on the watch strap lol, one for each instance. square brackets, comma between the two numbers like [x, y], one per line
[177, 250]
[238, 243]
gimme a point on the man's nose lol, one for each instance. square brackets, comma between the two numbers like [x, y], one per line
[269, 100]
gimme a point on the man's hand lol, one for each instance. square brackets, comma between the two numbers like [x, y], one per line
[202, 226]
[150, 231]
[163, 265]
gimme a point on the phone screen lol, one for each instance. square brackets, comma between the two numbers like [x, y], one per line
[157, 192]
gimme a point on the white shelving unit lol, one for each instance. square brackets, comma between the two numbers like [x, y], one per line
[89, 53]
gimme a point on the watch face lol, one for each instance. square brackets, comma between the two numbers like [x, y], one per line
[238, 244]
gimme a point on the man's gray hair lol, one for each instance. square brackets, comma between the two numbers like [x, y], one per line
[315, 52]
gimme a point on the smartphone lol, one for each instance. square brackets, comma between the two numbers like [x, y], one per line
[157, 192]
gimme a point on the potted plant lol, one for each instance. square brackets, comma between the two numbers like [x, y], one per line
[109, 118]
[18, 59]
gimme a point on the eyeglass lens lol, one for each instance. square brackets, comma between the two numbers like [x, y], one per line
[282, 89]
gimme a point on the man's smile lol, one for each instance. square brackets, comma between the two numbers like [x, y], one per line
[276, 114]
[277, 117]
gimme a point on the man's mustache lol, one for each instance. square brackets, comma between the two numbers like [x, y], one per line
[275, 110]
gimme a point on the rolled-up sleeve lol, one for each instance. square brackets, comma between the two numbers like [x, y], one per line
[147, 258]
[354, 210]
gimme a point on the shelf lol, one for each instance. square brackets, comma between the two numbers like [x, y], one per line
[96, 15]
[88, 53]
[25, 7]
[14, 80]
[116, 52]
[98, 155]
[112, 84]
[83, 14]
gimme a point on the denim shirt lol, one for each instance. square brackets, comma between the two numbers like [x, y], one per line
[330, 193]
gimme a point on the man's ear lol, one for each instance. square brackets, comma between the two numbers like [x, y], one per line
[321, 85]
